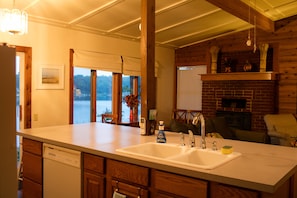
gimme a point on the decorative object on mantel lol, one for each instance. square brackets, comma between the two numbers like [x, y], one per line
[132, 102]
[247, 66]
[228, 63]
[214, 50]
[263, 47]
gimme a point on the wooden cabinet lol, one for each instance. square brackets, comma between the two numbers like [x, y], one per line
[127, 179]
[172, 185]
[32, 169]
[104, 177]
[93, 174]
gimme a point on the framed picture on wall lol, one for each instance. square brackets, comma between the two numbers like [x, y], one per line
[50, 77]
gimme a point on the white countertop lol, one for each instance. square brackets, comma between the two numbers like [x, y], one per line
[260, 167]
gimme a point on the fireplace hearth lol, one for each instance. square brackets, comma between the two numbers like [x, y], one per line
[243, 102]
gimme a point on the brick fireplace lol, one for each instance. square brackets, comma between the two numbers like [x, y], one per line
[255, 98]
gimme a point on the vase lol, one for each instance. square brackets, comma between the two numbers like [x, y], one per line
[131, 117]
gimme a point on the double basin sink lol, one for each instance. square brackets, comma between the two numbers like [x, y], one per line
[179, 155]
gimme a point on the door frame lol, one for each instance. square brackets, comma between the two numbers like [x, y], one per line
[27, 85]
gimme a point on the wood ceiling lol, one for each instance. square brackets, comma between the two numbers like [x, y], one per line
[179, 23]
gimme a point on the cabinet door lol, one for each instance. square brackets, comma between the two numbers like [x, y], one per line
[32, 167]
[129, 190]
[94, 185]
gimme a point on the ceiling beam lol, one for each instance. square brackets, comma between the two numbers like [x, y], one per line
[241, 10]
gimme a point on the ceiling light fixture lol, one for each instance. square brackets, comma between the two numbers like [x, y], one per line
[13, 21]
[255, 27]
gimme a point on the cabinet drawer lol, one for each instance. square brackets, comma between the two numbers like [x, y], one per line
[129, 172]
[32, 146]
[178, 185]
[218, 190]
[32, 167]
[31, 189]
[93, 163]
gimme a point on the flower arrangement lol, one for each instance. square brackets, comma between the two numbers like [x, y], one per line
[131, 100]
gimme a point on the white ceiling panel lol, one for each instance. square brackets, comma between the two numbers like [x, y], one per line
[114, 16]
[178, 22]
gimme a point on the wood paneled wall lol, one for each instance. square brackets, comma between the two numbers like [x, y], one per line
[284, 42]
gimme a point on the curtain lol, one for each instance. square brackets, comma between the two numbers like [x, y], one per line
[132, 66]
[97, 61]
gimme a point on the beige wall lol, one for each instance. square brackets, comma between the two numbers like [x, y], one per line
[51, 44]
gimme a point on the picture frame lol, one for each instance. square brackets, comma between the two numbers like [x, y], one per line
[50, 77]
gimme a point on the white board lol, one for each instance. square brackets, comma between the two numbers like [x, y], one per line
[189, 87]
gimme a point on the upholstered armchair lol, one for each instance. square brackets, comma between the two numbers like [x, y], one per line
[282, 128]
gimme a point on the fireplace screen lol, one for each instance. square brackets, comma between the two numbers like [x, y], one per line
[234, 103]
[240, 120]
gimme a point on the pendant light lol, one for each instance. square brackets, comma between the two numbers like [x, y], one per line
[13, 21]
[255, 30]
[249, 41]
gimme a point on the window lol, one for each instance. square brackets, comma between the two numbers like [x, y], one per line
[130, 85]
[81, 95]
[99, 83]
[103, 94]
[83, 98]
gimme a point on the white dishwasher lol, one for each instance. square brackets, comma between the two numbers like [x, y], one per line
[61, 172]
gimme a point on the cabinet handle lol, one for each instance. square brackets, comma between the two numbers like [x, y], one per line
[139, 192]
[117, 186]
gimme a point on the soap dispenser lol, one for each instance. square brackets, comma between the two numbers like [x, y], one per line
[161, 138]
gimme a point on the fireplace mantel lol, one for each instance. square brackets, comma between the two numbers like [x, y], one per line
[240, 76]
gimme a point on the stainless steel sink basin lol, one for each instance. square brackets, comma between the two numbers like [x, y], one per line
[179, 155]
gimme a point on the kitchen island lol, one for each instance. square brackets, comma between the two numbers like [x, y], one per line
[261, 171]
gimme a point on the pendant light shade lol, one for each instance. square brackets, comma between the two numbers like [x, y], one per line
[13, 21]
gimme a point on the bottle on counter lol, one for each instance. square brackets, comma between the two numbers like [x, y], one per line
[161, 138]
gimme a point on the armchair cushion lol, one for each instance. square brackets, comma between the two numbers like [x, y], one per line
[282, 128]
[250, 136]
[288, 130]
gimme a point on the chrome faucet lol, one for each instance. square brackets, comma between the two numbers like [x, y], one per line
[191, 139]
[196, 119]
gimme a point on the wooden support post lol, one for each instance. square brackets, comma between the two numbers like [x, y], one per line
[147, 50]
[117, 97]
